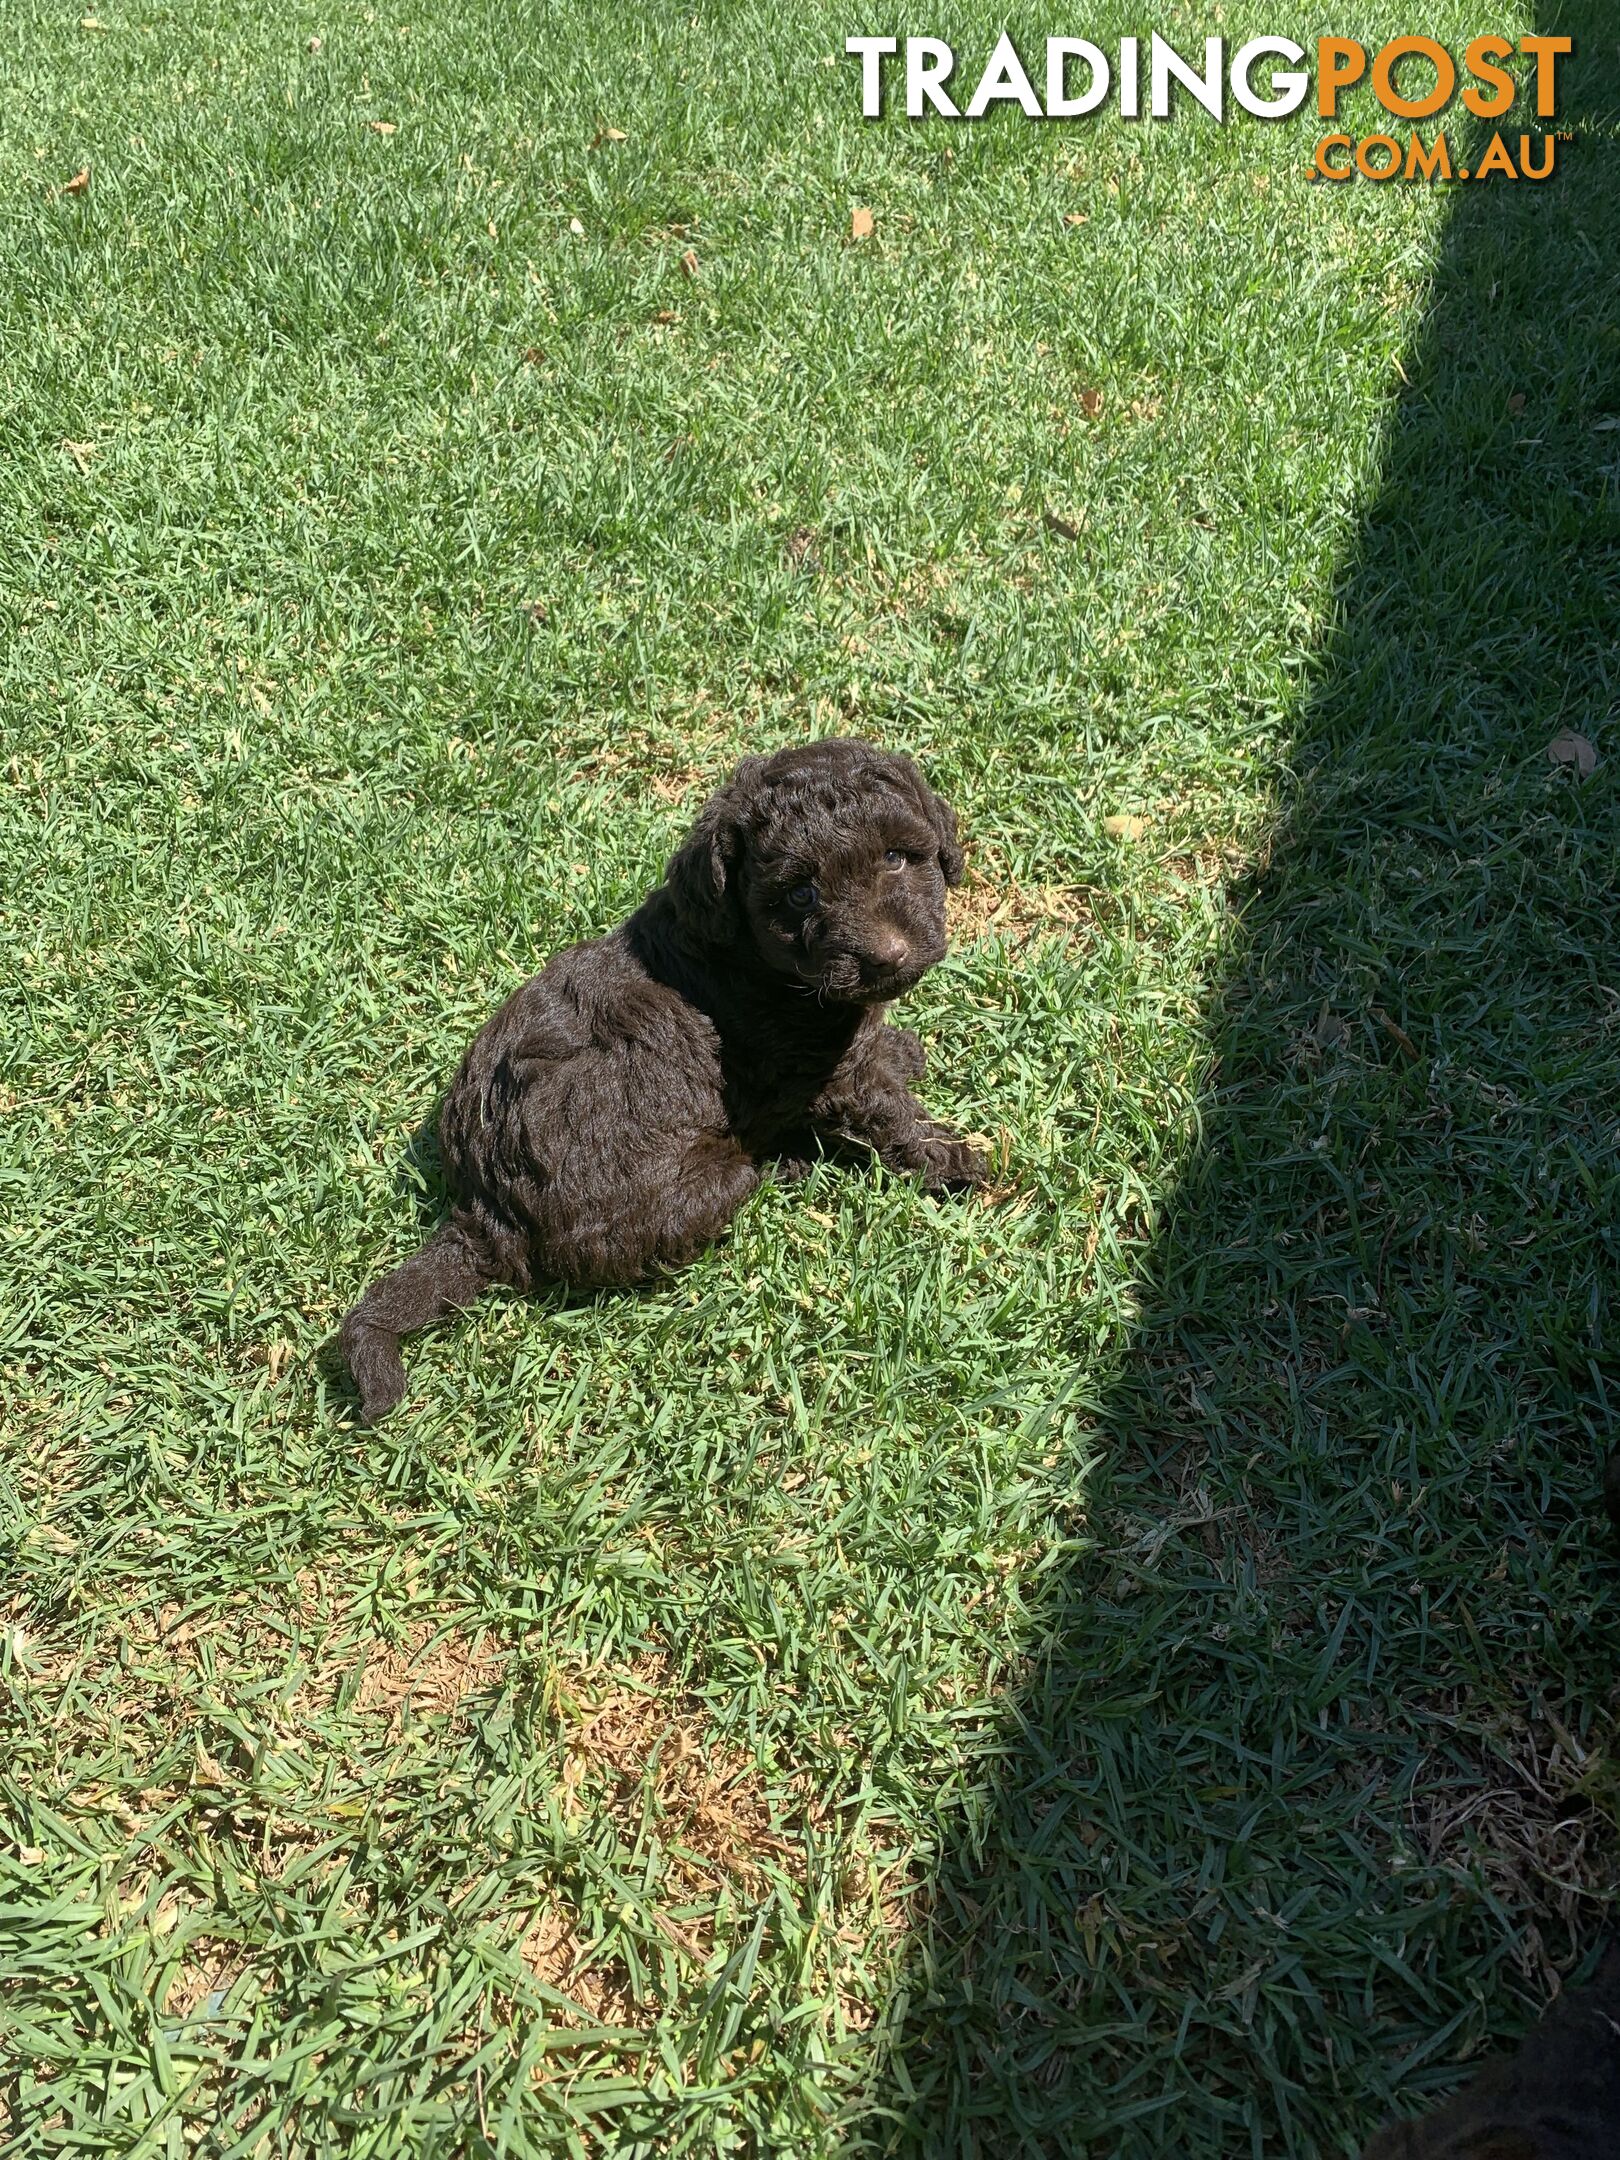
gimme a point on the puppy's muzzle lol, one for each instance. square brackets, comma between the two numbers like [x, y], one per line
[885, 968]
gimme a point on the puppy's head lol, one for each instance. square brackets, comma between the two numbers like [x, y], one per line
[832, 862]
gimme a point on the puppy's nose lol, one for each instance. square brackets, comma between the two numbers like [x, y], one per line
[888, 949]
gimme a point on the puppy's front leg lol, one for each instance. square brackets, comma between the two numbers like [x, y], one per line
[867, 1101]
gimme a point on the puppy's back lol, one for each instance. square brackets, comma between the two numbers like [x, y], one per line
[590, 1067]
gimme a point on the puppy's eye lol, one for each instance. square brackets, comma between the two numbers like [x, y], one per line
[802, 896]
[895, 857]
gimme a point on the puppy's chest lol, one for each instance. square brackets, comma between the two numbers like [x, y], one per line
[770, 1085]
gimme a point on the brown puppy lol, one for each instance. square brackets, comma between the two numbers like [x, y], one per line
[1556, 2098]
[616, 1112]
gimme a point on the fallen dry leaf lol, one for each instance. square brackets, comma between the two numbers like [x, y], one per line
[677, 1935]
[689, 262]
[208, 1771]
[1396, 1033]
[1091, 403]
[492, 229]
[1076, 217]
[1516, 402]
[1569, 748]
[576, 228]
[603, 135]
[81, 453]
[534, 354]
[861, 222]
[273, 1357]
[1125, 826]
[79, 182]
[383, 127]
[91, 22]
[314, 44]
[1065, 528]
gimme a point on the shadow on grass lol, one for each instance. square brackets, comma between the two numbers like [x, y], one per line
[1305, 1794]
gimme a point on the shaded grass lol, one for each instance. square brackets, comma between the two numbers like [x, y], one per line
[1310, 1784]
[408, 585]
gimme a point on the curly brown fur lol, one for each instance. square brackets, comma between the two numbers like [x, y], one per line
[1556, 2098]
[619, 1108]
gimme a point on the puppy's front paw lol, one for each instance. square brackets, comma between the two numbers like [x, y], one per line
[950, 1164]
[375, 1366]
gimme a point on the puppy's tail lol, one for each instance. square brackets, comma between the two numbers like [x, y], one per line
[452, 1270]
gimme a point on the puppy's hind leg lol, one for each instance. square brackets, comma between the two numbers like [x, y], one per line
[451, 1271]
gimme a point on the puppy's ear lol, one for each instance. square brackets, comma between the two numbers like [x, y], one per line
[701, 874]
[943, 819]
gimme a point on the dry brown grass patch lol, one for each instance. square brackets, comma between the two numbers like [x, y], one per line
[152, 1672]
[711, 1805]
[209, 1967]
[1210, 862]
[559, 1960]
[1512, 1805]
[983, 907]
[683, 765]
[637, 1750]
[715, 1831]
[429, 1674]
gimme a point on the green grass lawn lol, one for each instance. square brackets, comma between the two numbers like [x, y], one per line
[1123, 1667]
